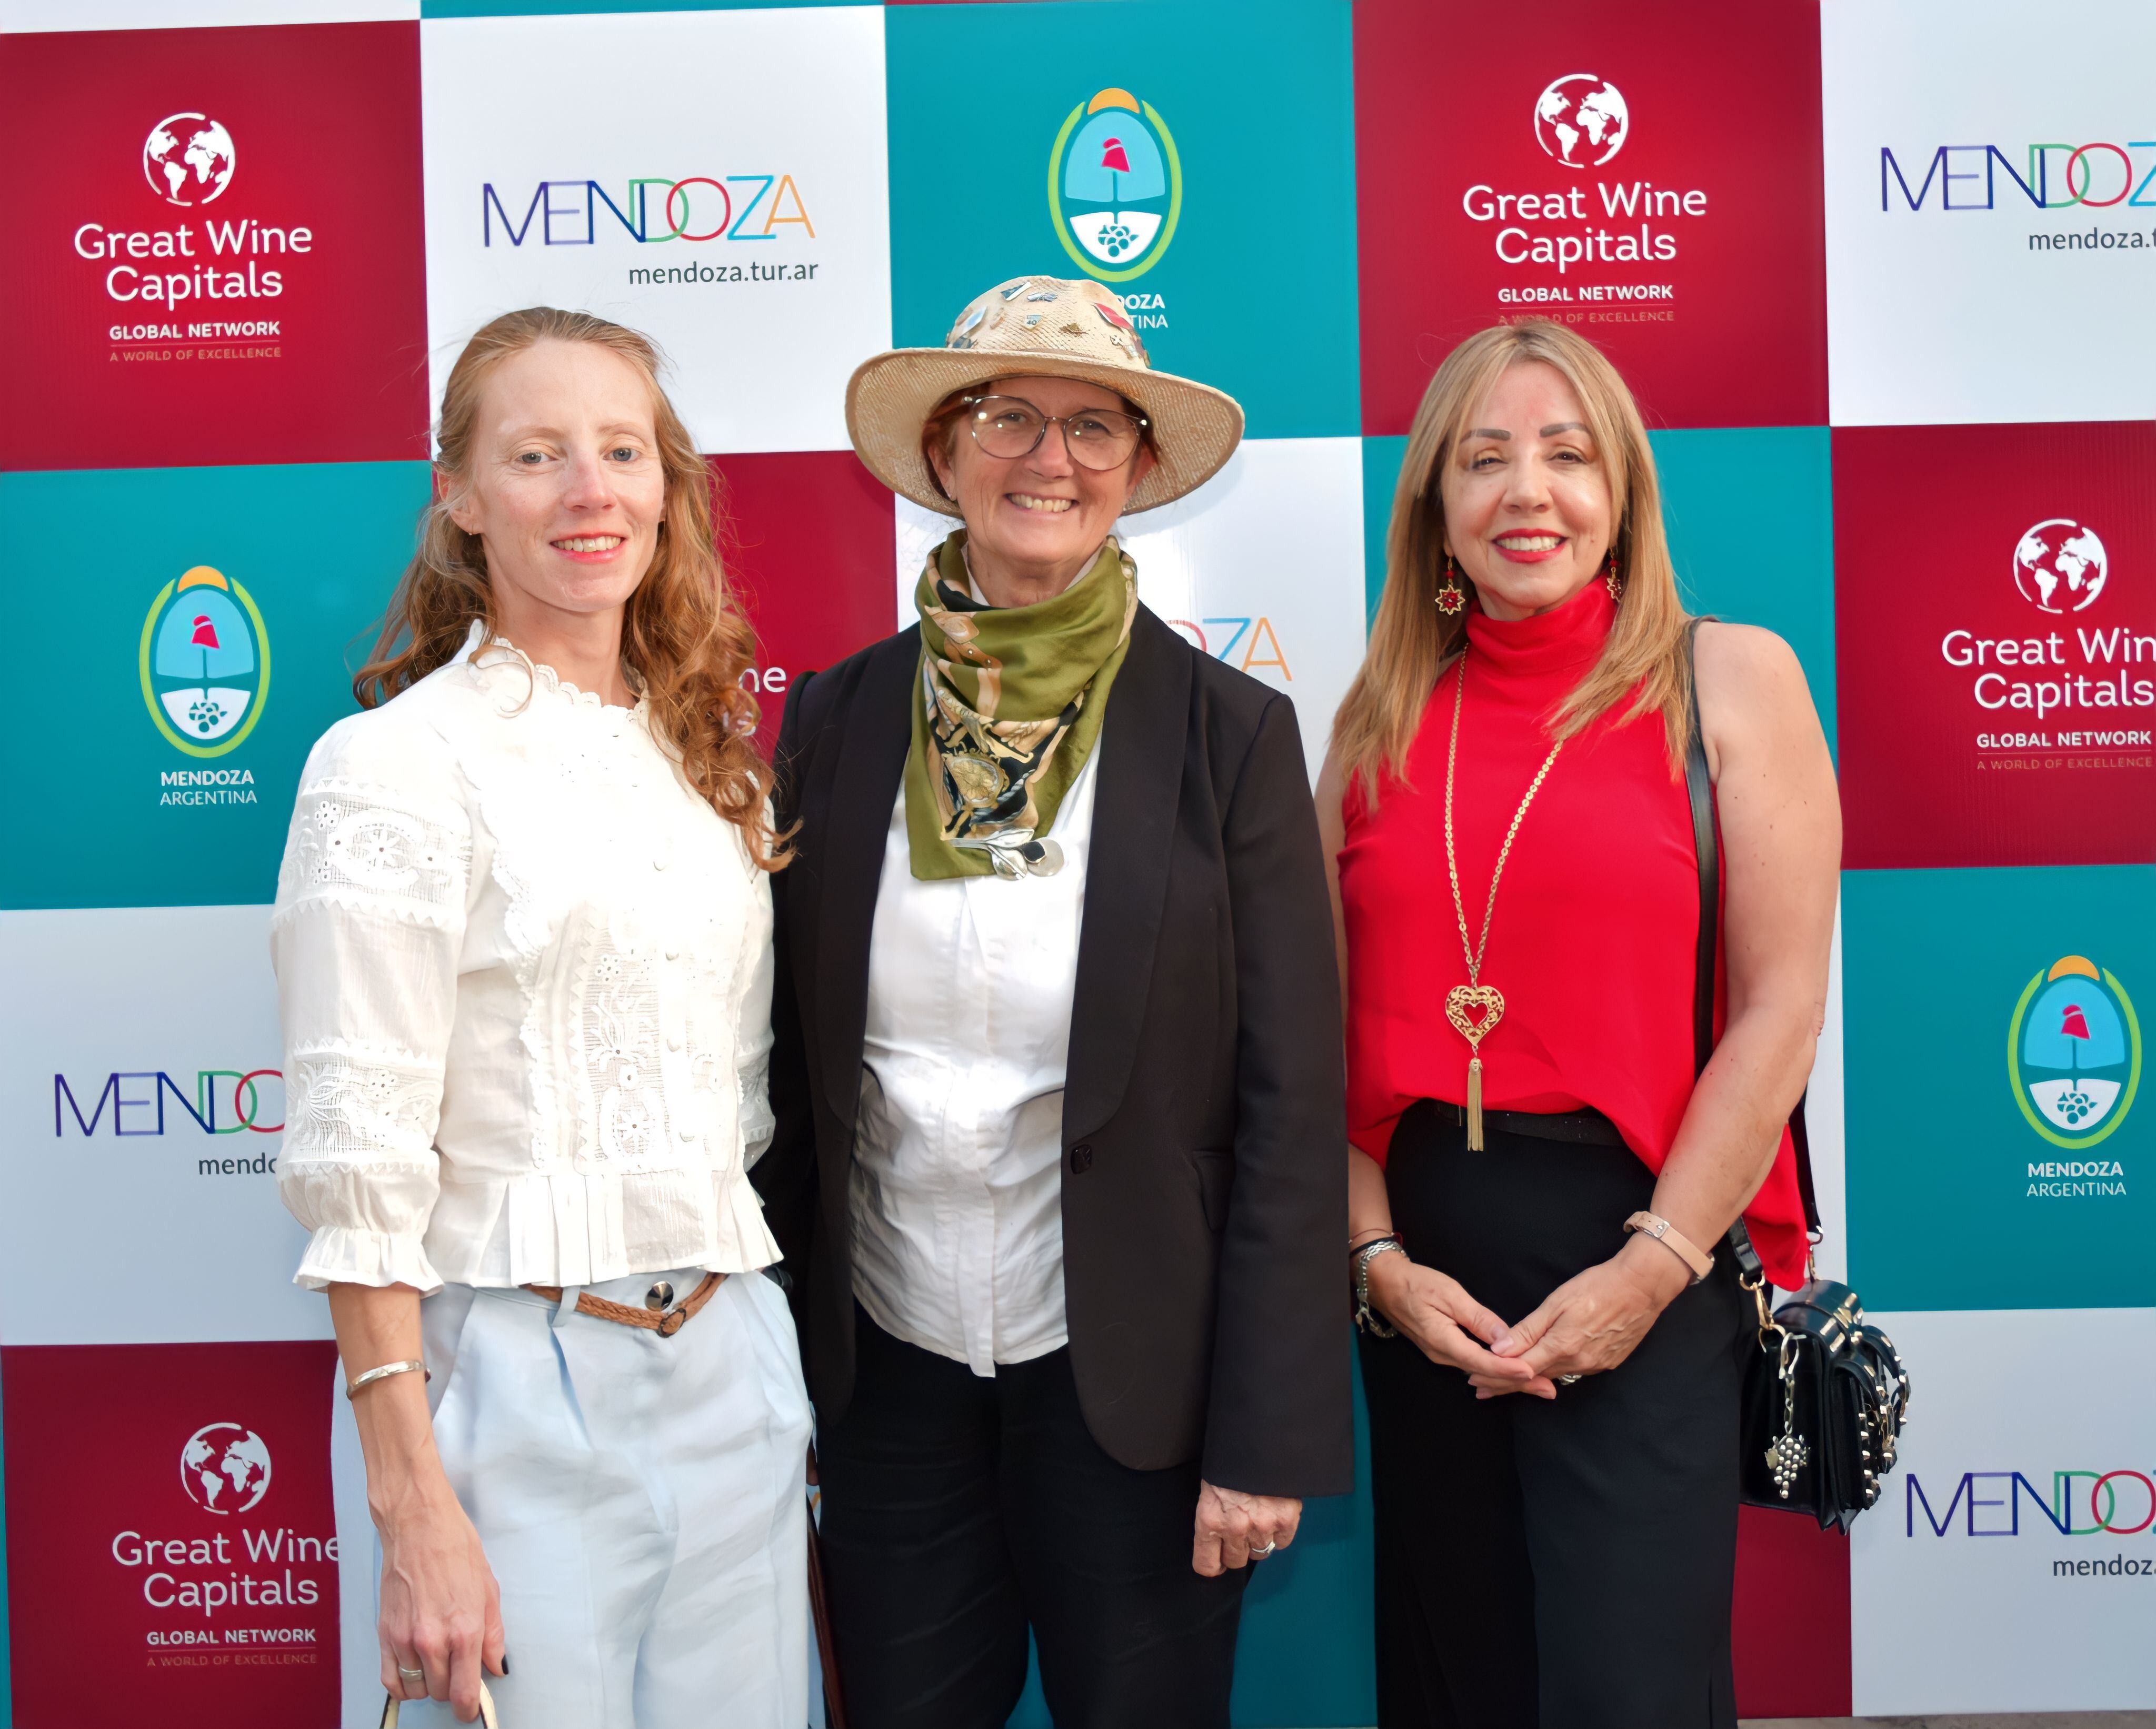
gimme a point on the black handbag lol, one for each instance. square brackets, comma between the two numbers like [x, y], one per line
[1826, 1393]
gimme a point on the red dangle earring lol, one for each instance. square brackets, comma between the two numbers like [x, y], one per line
[1449, 599]
[1611, 580]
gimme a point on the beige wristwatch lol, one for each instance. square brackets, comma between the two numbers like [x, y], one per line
[1675, 1241]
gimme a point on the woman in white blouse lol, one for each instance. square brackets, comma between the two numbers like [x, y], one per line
[523, 941]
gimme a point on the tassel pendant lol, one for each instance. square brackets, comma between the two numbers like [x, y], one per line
[1474, 1011]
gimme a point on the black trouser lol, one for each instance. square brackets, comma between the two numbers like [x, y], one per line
[959, 1509]
[1568, 1562]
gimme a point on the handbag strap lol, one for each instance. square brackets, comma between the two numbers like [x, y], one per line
[1706, 845]
[390, 1709]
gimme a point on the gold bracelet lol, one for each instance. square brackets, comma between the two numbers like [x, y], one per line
[352, 1388]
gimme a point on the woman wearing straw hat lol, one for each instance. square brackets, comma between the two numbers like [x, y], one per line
[1059, 1109]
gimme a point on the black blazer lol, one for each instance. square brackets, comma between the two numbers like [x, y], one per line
[1204, 1170]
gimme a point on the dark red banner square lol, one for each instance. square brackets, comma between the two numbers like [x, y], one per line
[216, 247]
[1489, 189]
[171, 1542]
[1783, 1558]
[1995, 629]
[808, 537]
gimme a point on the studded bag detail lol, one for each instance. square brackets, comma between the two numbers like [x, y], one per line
[1826, 1393]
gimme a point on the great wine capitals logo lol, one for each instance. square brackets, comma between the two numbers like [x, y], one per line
[2060, 568]
[205, 1573]
[1582, 121]
[189, 160]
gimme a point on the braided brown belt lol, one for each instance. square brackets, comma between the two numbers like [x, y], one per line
[665, 1323]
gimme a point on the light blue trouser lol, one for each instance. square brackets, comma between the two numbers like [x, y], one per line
[640, 1500]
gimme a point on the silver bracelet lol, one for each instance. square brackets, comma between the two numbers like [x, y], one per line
[352, 1390]
[1368, 1253]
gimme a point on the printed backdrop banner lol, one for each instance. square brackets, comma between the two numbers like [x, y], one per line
[2006, 672]
[720, 186]
[1876, 271]
[1990, 210]
[217, 237]
[1664, 203]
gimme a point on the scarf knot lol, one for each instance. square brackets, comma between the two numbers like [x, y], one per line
[1009, 708]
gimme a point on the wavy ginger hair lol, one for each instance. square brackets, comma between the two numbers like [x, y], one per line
[1412, 642]
[684, 634]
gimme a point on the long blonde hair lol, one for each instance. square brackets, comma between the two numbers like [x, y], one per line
[684, 633]
[1411, 640]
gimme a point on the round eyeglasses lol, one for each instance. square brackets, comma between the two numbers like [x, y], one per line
[1009, 426]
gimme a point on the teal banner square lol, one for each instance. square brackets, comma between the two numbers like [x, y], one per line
[1382, 457]
[1304, 1658]
[1982, 1009]
[247, 594]
[1208, 153]
[1750, 516]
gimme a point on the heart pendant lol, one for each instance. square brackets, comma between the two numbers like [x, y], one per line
[1474, 1009]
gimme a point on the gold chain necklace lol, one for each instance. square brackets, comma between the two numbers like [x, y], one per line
[1474, 1008]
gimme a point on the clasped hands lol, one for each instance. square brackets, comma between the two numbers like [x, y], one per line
[1587, 1325]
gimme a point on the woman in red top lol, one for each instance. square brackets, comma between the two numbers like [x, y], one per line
[1539, 1185]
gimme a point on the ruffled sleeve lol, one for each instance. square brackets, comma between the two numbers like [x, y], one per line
[365, 939]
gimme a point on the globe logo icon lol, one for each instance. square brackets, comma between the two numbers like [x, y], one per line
[225, 1468]
[1582, 120]
[187, 159]
[2060, 565]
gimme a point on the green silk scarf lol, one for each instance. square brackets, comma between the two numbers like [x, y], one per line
[1007, 710]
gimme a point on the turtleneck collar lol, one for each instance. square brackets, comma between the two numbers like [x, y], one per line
[1561, 643]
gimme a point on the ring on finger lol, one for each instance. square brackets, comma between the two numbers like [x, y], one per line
[1258, 1554]
[1566, 1380]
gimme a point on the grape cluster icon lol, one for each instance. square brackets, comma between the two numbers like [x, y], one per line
[1117, 238]
[205, 711]
[2075, 1105]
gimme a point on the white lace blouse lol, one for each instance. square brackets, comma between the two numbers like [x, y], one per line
[525, 978]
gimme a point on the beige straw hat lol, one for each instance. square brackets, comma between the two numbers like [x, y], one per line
[1039, 326]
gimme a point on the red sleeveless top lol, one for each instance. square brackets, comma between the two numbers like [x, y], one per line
[1593, 941]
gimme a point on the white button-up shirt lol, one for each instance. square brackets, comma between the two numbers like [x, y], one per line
[957, 1192]
[523, 972]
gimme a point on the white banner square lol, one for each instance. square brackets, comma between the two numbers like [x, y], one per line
[1990, 210]
[142, 1101]
[1261, 567]
[714, 179]
[1985, 1580]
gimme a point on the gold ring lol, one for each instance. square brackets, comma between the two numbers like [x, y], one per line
[412, 1674]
